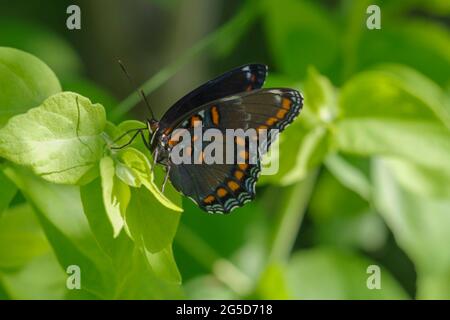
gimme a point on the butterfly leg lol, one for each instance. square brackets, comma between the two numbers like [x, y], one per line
[166, 177]
[155, 157]
[130, 141]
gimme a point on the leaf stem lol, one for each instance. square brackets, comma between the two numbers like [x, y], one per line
[223, 269]
[230, 29]
[293, 206]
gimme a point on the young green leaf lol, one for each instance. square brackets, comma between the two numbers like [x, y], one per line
[116, 194]
[60, 140]
[394, 101]
[320, 96]
[163, 265]
[135, 170]
[26, 82]
[120, 249]
[394, 92]
[151, 224]
[142, 283]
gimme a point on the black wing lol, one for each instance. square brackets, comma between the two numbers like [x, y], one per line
[219, 188]
[244, 78]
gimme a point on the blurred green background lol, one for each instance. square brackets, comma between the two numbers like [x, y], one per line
[364, 171]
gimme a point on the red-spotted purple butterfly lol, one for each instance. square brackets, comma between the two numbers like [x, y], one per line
[234, 100]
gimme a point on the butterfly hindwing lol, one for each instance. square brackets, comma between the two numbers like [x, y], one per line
[219, 188]
[216, 188]
[245, 78]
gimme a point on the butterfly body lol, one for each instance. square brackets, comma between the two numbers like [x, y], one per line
[233, 101]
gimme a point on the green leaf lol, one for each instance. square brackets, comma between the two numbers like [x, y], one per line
[413, 140]
[40, 279]
[116, 194]
[272, 284]
[421, 227]
[117, 248]
[290, 25]
[320, 96]
[60, 140]
[394, 92]
[45, 44]
[121, 248]
[349, 176]
[21, 238]
[141, 282]
[336, 208]
[135, 170]
[302, 147]
[422, 45]
[7, 192]
[419, 179]
[151, 224]
[305, 144]
[163, 265]
[26, 82]
[60, 213]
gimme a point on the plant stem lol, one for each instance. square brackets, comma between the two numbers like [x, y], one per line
[228, 31]
[293, 206]
[223, 269]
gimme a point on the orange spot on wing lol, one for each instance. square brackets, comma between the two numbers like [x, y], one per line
[239, 174]
[281, 113]
[271, 121]
[215, 115]
[222, 192]
[249, 88]
[286, 103]
[253, 78]
[233, 185]
[243, 166]
[209, 199]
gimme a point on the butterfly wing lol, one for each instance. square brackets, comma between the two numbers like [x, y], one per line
[219, 188]
[244, 78]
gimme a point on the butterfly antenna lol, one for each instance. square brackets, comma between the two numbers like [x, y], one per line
[139, 90]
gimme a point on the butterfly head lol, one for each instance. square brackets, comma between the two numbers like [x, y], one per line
[152, 125]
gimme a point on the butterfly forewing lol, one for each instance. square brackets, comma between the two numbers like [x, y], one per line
[245, 78]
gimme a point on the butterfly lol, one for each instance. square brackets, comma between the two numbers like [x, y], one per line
[234, 100]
